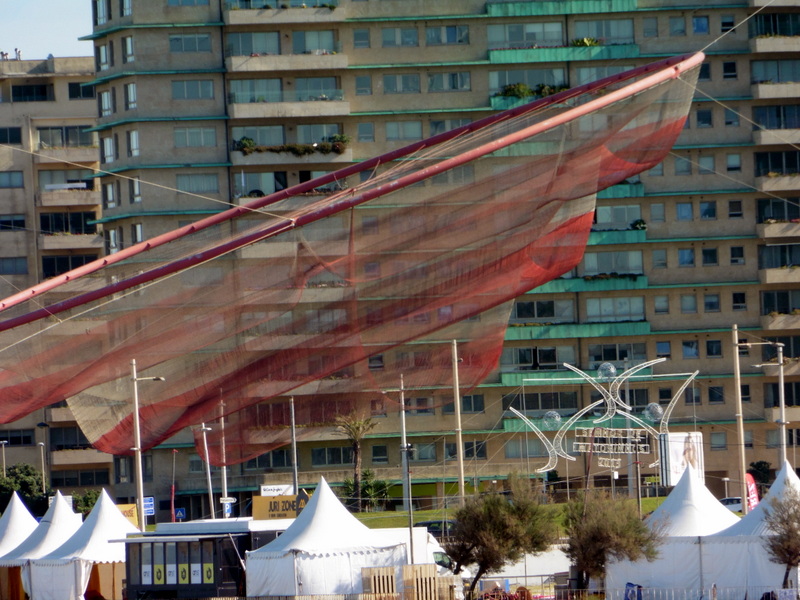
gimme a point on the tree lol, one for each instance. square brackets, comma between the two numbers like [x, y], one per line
[26, 480]
[782, 517]
[84, 503]
[760, 470]
[355, 428]
[374, 492]
[599, 527]
[493, 530]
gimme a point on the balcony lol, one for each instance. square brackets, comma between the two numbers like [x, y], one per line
[239, 12]
[83, 456]
[593, 284]
[78, 154]
[782, 276]
[778, 230]
[523, 8]
[779, 322]
[238, 159]
[69, 197]
[764, 137]
[627, 236]
[567, 53]
[506, 102]
[286, 62]
[288, 105]
[776, 43]
[622, 190]
[68, 241]
[766, 90]
[576, 330]
[778, 182]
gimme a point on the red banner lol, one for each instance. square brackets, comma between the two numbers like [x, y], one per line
[752, 492]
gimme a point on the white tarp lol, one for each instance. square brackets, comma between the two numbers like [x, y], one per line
[730, 558]
[16, 525]
[322, 552]
[64, 573]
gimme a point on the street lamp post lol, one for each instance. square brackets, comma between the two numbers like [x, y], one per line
[137, 441]
[781, 395]
[3, 444]
[41, 453]
[725, 480]
[204, 429]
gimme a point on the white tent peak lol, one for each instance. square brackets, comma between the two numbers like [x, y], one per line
[92, 542]
[753, 522]
[57, 526]
[16, 524]
[691, 509]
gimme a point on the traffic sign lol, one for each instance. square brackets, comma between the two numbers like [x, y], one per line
[149, 506]
[180, 514]
[227, 500]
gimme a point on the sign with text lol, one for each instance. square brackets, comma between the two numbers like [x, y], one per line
[279, 507]
[277, 490]
[129, 511]
[605, 440]
[678, 451]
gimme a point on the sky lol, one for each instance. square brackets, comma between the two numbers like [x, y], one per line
[42, 27]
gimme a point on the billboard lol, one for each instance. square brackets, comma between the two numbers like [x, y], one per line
[677, 451]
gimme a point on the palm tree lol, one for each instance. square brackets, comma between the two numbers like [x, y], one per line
[355, 428]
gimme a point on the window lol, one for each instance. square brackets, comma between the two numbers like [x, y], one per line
[708, 210]
[613, 262]
[361, 38]
[683, 166]
[447, 35]
[726, 23]
[729, 70]
[14, 265]
[657, 214]
[533, 402]
[530, 448]
[737, 255]
[68, 438]
[664, 395]
[407, 83]
[197, 183]
[40, 92]
[705, 166]
[193, 89]
[719, 440]
[688, 303]
[612, 31]
[366, 132]
[109, 195]
[323, 457]
[663, 350]
[660, 259]
[685, 257]
[399, 36]
[700, 25]
[101, 11]
[74, 222]
[650, 27]
[56, 264]
[17, 437]
[83, 477]
[691, 348]
[79, 91]
[705, 72]
[472, 403]
[475, 450]
[380, 455]
[602, 310]
[190, 42]
[684, 211]
[532, 77]
[127, 50]
[779, 209]
[661, 305]
[711, 303]
[774, 71]
[108, 150]
[253, 43]
[276, 459]
[657, 171]
[375, 362]
[262, 135]
[422, 452]
[525, 35]
[731, 118]
[106, 103]
[13, 135]
[617, 217]
[403, 130]
[748, 438]
[194, 137]
[130, 96]
[547, 311]
[733, 163]
[713, 349]
[704, 118]
[104, 57]
[56, 137]
[198, 465]
[419, 406]
[137, 234]
[677, 26]
[739, 300]
[735, 210]
[616, 353]
[363, 85]
[125, 8]
[313, 42]
[716, 394]
[691, 395]
[12, 222]
[133, 142]
[449, 82]
[187, 2]
[135, 190]
[544, 358]
[709, 257]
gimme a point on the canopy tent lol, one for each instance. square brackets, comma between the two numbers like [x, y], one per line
[65, 572]
[322, 552]
[16, 525]
[732, 558]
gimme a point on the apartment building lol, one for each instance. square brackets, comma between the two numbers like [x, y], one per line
[703, 241]
[50, 205]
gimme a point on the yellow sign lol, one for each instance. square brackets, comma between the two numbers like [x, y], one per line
[279, 507]
[158, 575]
[208, 573]
[183, 573]
[130, 513]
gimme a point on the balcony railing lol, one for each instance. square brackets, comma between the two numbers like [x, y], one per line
[262, 4]
[285, 96]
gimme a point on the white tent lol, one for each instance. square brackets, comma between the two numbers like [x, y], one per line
[731, 558]
[688, 513]
[64, 572]
[16, 525]
[322, 552]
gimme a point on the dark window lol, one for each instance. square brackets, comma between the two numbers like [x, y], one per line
[79, 91]
[10, 135]
[68, 438]
[12, 222]
[17, 437]
[56, 265]
[42, 92]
